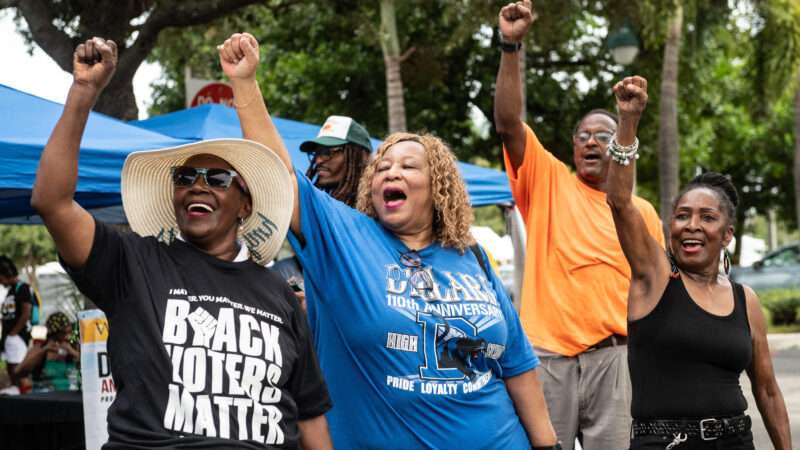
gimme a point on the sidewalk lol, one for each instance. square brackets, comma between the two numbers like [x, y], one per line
[778, 342]
[785, 351]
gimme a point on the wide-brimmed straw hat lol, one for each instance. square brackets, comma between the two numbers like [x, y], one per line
[147, 191]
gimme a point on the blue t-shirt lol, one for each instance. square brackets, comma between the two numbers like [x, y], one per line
[394, 357]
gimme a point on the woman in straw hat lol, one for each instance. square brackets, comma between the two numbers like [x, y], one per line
[421, 344]
[207, 347]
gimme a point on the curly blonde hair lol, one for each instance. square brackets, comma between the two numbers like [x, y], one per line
[452, 213]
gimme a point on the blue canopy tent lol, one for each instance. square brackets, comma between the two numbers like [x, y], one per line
[210, 121]
[27, 122]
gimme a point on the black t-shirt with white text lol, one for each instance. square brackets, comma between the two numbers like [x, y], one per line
[17, 296]
[204, 352]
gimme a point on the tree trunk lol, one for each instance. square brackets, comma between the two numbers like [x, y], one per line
[392, 59]
[668, 144]
[738, 233]
[797, 149]
[30, 272]
[118, 100]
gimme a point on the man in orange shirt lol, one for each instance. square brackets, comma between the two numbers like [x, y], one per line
[574, 296]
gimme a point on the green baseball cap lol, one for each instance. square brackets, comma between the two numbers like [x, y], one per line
[339, 130]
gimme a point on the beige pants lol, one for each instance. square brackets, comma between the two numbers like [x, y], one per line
[589, 397]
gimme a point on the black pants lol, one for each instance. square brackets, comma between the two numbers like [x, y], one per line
[741, 441]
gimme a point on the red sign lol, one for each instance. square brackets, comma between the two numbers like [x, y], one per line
[214, 93]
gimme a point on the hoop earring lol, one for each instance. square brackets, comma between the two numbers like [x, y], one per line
[726, 261]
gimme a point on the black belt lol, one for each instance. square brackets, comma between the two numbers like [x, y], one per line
[706, 429]
[614, 339]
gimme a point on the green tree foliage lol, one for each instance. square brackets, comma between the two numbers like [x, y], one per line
[26, 245]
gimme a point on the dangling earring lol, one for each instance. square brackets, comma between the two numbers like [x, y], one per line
[241, 223]
[673, 267]
[726, 261]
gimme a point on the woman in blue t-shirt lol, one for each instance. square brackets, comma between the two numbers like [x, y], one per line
[419, 344]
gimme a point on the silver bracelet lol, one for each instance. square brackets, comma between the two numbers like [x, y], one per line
[623, 154]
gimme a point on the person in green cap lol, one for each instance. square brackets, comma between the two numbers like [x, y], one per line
[338, 156]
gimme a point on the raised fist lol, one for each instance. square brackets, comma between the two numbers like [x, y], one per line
[631, 94]
[94, 62]
[515, 19]
[238, 56]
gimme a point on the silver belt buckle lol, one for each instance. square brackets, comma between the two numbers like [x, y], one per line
[703, 429]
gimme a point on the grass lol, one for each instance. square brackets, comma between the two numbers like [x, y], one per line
[793, 328]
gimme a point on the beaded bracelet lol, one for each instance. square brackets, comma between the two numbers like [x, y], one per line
[623, 154]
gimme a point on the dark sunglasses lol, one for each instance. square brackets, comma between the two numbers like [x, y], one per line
[602, 137]
[420, 278]
[185, 176]
[326, 152]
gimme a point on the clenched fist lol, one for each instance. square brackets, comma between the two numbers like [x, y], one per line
[515, 19]
[239, 56]
[631, 94]
[94, 63]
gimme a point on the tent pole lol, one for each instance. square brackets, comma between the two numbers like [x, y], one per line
[515, 227]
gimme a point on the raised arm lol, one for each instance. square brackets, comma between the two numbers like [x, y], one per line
[769, 398]
[239, 58]
[649, 265]
[514, 20]
[53, 193]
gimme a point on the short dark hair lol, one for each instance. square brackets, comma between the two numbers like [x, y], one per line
[718, 183]
[600, 111]
[7, 267]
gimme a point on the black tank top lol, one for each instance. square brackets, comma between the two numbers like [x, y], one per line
[685, 362]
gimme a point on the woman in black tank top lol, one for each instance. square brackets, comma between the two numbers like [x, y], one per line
[691, 332]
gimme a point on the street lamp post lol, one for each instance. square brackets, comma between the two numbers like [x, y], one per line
[623, 45]
[624, 48]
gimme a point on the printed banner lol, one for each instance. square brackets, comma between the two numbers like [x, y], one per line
[98, 386]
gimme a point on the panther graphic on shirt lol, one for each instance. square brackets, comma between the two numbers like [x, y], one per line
[453, 315]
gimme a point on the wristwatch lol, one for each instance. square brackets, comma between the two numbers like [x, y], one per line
[549, 447]
[509, 47]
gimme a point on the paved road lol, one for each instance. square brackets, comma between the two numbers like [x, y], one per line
[786, 360]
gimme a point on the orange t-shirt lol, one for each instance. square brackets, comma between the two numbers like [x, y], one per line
[576, 282]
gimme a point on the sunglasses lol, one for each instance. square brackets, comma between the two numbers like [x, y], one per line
[420, 278]
[185, 176]
[602, 137]
[326, 152]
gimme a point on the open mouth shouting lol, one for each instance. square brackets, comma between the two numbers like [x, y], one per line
[592, 157]
[198, 210]
[692, 245]
[393, 198]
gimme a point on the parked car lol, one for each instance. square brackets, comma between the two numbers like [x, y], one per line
[778, 269]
